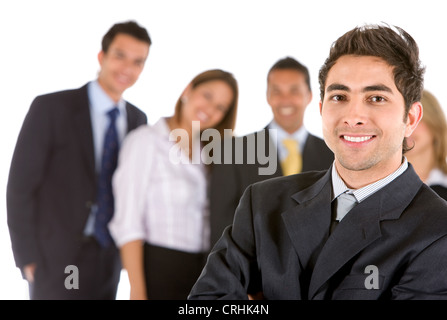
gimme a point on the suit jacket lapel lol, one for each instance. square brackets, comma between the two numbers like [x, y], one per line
[132, 122]
[308, 223]
[357, 230]
[83, 125]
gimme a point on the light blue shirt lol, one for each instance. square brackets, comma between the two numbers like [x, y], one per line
[100, 104]
[300, 136]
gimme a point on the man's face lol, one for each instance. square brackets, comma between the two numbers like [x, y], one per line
[288, 95]
[363, 115]
[122, 64]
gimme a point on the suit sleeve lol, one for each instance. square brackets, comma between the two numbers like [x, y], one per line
[231, 270]
[25, 177]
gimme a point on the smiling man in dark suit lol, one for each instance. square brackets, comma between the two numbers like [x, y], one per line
[55, 178]
[296, 237]
[288, 94]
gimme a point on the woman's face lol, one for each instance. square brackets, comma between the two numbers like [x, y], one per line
[208, 103]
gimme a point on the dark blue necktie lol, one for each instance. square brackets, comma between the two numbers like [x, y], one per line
[105, 193]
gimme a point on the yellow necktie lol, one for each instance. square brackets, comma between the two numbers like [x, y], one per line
[293, 163]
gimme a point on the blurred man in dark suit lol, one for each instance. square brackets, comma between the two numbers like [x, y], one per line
[58, 183]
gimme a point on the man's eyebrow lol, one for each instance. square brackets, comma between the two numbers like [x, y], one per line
[337, 86]
[378, 87]
[342, 87]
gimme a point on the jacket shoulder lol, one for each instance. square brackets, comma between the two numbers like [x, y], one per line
[428, 198]
[64, 94]
[289, 184]
[53, 101]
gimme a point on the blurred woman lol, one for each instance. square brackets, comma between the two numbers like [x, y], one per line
[429, 153]
[161, 221]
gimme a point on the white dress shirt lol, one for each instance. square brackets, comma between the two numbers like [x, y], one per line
[157, 200]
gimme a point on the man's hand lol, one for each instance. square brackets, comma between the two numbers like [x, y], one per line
[256, 296]
[29, 271]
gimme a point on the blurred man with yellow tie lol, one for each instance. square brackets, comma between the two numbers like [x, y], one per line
[288, 94]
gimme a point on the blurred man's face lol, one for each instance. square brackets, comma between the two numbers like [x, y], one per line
[288, 95]
[122, 64]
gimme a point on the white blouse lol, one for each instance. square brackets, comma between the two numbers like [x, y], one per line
[437, 177]
[157, 200]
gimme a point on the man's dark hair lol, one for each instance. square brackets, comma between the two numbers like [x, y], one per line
[289, 63]
[395, 46]
[130, 28]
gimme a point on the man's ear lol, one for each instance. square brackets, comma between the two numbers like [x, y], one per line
[309, 98]
[321, 107]
[414, 117]
[100, 57]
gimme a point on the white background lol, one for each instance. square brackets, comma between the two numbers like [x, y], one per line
[51, 45]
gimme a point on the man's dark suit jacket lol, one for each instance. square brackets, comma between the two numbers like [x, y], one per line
[229, 181]
[52, 182]
[280, 244]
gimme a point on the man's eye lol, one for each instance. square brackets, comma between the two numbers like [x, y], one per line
[377, 99]
[119, 56]
[338, 97]
[208, 96]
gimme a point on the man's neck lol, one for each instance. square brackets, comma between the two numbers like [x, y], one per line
[356, 179]
[114, 96]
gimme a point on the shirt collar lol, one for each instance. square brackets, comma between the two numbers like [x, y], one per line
[100, 101]
[339, 186]
[300, 135]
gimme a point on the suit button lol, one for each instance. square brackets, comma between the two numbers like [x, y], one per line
[89, 204]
